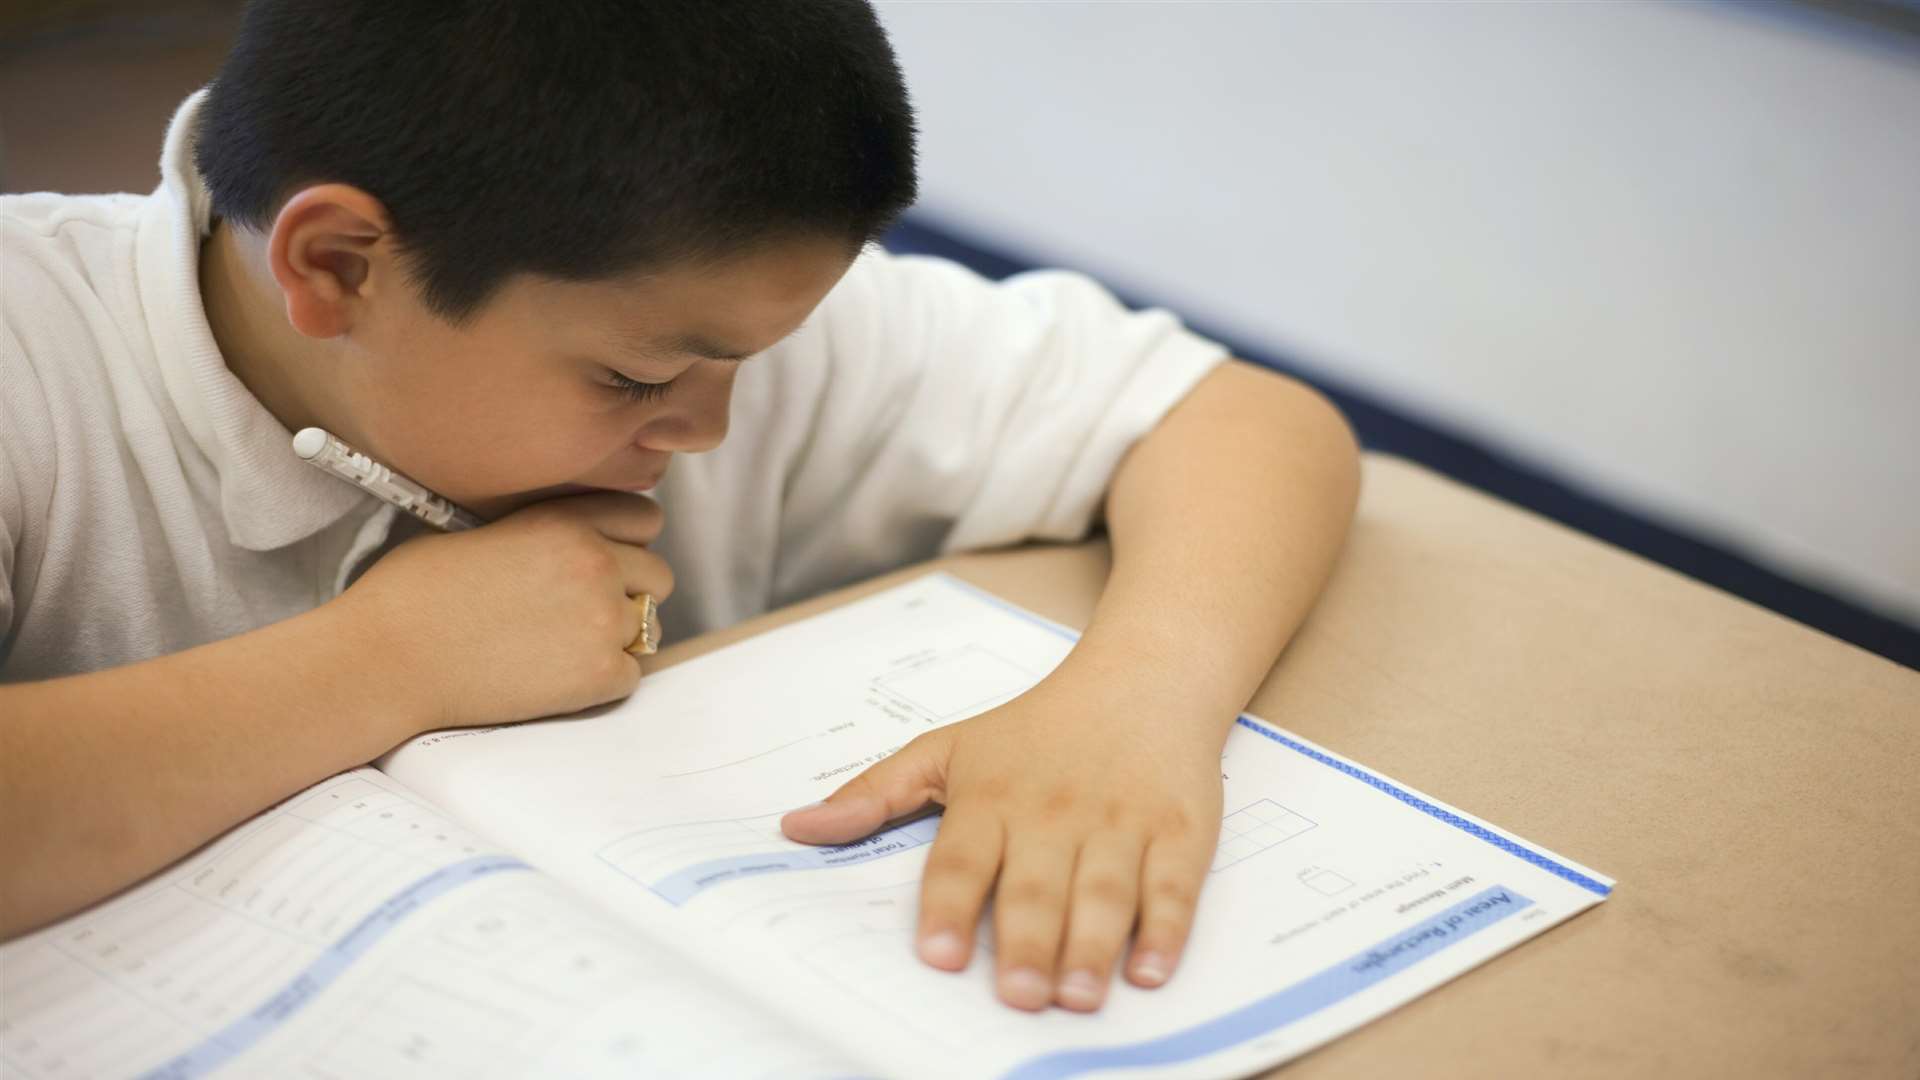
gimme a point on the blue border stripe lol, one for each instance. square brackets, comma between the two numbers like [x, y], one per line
[683, 885]
[1371, 780]
[242, 1034]
[1361, 971]
[1422, 805]
[1009, 606]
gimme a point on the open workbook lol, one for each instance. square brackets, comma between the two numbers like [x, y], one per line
[609, 894]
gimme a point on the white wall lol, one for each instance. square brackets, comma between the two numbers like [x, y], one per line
[1672, 252]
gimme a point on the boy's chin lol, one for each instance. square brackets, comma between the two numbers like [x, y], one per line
[495, 506]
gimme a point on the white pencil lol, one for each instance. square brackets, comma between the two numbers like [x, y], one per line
[323, 450]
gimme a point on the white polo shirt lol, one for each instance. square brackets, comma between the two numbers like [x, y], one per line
[149, 503]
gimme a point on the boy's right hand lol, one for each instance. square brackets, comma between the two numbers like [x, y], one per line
[527, 616]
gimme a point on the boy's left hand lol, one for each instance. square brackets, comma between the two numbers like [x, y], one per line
[1091, 812]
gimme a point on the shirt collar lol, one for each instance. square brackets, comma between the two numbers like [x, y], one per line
[268, 497]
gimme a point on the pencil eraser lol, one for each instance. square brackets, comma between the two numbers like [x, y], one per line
[309, 442]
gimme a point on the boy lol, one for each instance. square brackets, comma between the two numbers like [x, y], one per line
[528, 254]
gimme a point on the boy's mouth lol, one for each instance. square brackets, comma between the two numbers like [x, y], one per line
[646, 483]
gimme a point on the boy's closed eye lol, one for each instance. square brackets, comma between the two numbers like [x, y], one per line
[634, 389]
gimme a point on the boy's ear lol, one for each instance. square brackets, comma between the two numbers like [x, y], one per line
[330, 250]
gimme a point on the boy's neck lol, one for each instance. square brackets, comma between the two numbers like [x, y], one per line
[275, 362]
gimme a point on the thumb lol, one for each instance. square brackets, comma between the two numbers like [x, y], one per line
[894, 787]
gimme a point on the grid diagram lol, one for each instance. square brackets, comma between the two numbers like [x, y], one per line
[1324, 881]
[1253, 829]
[958, 683]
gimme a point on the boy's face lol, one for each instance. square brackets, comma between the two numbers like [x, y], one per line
[525, 400]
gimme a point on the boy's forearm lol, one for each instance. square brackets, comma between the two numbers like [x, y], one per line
[109, 776]
[1225, 522]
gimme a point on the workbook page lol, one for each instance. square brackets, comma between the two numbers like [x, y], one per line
[354, 930]
[1334, 896]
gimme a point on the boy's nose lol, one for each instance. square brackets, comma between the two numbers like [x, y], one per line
[699, 424]
[705, 430]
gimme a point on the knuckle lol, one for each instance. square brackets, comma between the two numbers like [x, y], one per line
[1173, 822]
[989, 789]
[1165, 935]
[605, 618]
[919, 745]
[1026, 948]
[1058, 802]
[1027, 893]
[950, 912]
[960, 864]
[606, 668]
[1169, 895]
[1088, 948]
[1107, 890]
[593, 559]
[861, 784]
[576, 552]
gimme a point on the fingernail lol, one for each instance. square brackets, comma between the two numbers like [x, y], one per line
[1151, 968]
[943, 950]
[1081, 990]
[1025, 988]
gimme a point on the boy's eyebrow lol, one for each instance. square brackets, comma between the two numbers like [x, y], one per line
[700, 346]
[693, 343]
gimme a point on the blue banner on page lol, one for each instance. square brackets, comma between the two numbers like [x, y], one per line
[683, 885]
[1337, 983]
[248, 1030]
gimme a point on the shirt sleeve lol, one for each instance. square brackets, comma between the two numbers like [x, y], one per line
[10, 514]
[960, 413]
[24, 442]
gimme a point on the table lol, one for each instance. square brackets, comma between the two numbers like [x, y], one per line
[1753, 785]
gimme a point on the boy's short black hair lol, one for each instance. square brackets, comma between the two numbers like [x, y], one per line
[573, 139]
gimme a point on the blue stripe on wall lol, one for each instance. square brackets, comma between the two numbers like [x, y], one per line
[1891, 27]
[1450, 453]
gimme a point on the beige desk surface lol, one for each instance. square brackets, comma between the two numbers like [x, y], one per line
[1753, 785]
